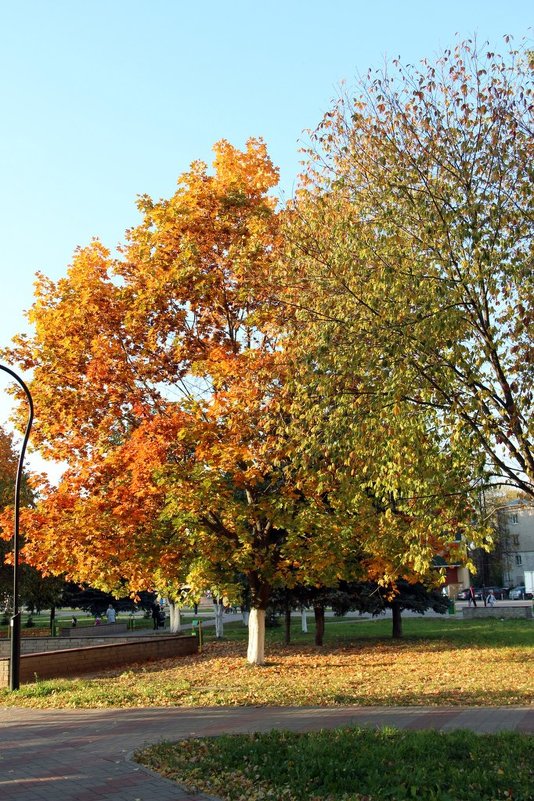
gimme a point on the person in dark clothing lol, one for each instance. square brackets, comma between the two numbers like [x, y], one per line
[156, 613]
[471, 597]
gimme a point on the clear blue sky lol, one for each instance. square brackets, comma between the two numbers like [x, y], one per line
[107, 99]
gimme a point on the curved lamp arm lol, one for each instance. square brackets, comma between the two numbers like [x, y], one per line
[14, 671]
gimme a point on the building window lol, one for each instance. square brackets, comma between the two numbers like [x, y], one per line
[515, 539]
[518, 559]
[513, 519]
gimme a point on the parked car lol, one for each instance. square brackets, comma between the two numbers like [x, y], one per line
[500, 593]
[519, 594]
[463, 595]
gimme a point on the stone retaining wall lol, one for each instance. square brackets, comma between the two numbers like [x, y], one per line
[33, 645]
[102, 630]
[90, 659]
[497, 611]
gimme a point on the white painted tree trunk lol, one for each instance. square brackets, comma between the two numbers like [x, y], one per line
[246, 615]
[175, 617]
[304, 621]
[256, 637]
[219, 618]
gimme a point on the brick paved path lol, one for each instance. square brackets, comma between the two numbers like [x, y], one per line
[85, 755]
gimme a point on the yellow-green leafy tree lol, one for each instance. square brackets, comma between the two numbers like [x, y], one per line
[411, 255]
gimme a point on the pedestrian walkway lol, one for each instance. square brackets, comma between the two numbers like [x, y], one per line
[86, 755]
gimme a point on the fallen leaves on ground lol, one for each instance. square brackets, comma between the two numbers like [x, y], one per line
[364, 673]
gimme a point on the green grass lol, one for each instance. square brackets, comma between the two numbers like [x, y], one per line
[351, 764]
[42, 621]
[440, 662]
[494, 632]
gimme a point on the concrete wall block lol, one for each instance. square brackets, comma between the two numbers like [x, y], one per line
[88, 659]
[34, 645]
[103, 630]
[498, 611]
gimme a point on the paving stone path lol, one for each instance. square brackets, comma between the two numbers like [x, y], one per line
[86, 755]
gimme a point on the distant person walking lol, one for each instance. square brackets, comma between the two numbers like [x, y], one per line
[156, 612]
[111, 614]
[491, 599]
[471, 597]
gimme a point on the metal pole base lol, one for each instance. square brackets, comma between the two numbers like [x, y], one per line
[14, 662]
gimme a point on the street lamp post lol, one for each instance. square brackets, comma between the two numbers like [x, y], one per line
[14, 663]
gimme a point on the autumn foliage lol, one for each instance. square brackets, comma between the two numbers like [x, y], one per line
[154, 376]
[298, 396]
[413, 246]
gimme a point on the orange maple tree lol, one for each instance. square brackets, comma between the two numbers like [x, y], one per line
[161, 378]
[156, 378]
[8, 468]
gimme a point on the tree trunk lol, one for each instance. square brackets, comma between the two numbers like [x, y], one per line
[246, 615]
[304, 620]
[219, 619]
[288, 624]
[175, 617]
[52, 618]
[397, 620]
[256, 637]
[259, 598]
[318, 611]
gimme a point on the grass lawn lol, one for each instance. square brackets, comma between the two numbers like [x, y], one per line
[352, 764]
[41, 622]
[440, 661]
